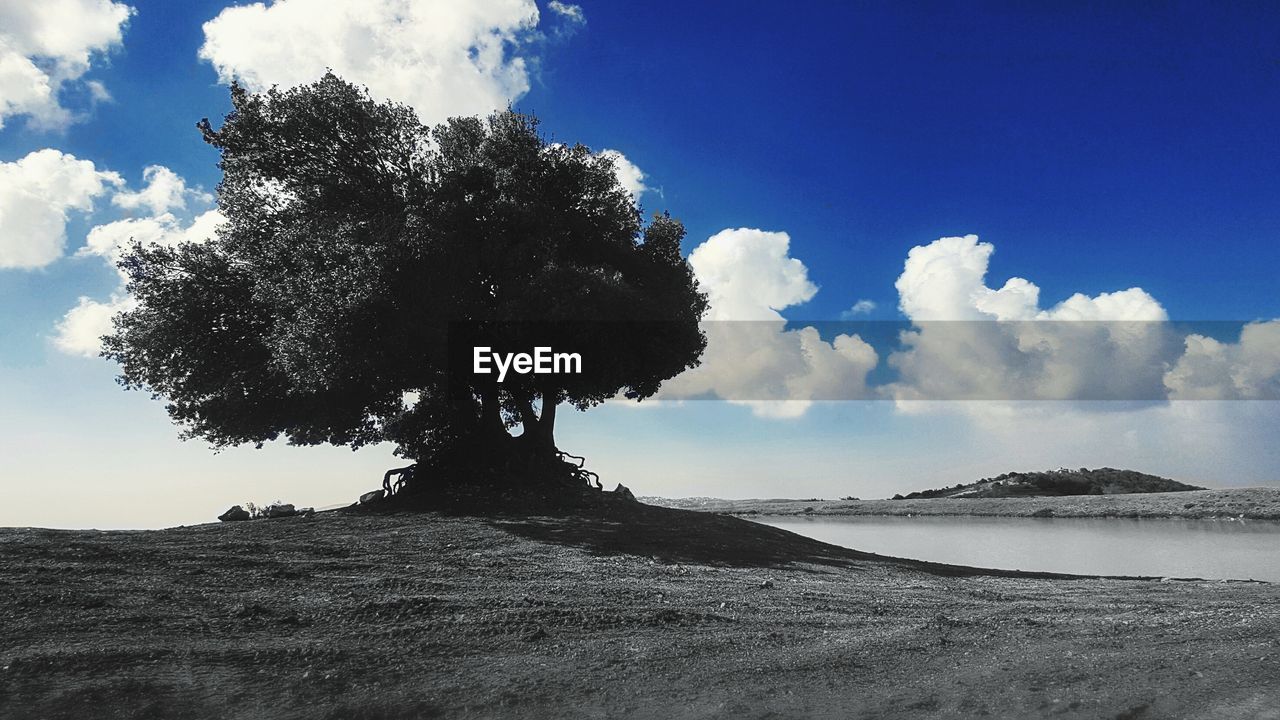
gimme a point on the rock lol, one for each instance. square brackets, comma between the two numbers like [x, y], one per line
[766, 583]
[306, 512]
[624, 492]
[370, 496]
[235, 514]
[279, 511]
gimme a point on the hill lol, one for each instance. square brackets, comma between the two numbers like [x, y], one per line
[1056, 483]
[649, 613]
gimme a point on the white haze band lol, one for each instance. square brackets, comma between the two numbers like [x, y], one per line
[542, 362]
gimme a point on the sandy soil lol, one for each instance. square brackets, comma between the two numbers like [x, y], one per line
[1261, 503]
[646, 613]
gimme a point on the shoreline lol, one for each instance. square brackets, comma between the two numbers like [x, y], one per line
[1258, 503]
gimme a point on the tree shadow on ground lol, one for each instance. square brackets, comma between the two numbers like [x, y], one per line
[693, 537]
[680, 536]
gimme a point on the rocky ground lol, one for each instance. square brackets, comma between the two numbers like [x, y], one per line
[1260, 503]
[641, 612]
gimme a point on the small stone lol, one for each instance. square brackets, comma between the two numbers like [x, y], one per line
[235, 514]
[766, 583]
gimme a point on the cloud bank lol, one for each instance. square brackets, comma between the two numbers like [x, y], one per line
[49, 45]
[963, 340]
[1110, 346]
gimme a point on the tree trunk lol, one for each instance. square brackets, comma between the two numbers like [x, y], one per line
[491, 413]
[547, 422]
[539, 430]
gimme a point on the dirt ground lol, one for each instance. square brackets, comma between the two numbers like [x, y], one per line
[1260, 503]
[645, 613]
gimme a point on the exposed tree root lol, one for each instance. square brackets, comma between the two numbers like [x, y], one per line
[512, 478]
[579, 472]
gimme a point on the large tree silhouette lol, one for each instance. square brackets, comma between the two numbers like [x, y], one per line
[364, 255]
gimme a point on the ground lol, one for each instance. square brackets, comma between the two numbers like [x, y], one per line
[1260, 503]
[646, 613]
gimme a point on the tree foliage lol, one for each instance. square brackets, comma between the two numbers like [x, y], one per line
[360, 248]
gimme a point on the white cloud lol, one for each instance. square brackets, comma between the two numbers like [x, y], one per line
[443, 59]
[164, 191]
[946, 280]
[571, 13]
[751, 358]
[82, 327]
[862, 307]
[110, 240]
[1110, 346]
[36, 195]
[631, 177]
[80, 331]
[1244, 370]
[748, 274]
[48, 44]
[203, 227]
[967, 341]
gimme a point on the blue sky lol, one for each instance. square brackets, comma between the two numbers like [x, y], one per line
[1096, 149]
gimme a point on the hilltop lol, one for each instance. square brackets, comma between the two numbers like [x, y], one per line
[1053, 483]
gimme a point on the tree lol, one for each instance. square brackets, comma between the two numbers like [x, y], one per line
[364, 256]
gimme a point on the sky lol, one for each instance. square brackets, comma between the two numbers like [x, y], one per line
[1071, 171]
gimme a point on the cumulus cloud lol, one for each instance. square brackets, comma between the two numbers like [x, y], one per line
[80, 331]
[965, 340]
[748, 274]
[751, 356]
[1109, 346]
[631, 177]
[165, 190]
[1245, 370]
[110, 240]
[37, 194]
[946, 280]
[48, 45]
[443, 59]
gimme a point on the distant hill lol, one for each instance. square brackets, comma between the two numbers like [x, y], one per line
[1103, 481]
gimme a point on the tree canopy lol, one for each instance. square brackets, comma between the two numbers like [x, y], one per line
[363, 252]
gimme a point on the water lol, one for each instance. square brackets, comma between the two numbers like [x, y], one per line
[1215, 549]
